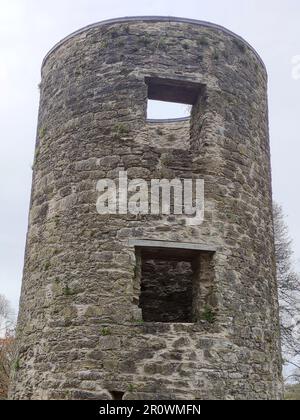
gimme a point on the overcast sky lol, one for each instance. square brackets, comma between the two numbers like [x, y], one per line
[29, 28]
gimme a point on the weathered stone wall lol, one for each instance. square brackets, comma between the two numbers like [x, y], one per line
[78, 335]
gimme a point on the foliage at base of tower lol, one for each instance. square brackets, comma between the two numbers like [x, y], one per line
[292, 392]
[7, 321]
[6, 357]
[289, 291]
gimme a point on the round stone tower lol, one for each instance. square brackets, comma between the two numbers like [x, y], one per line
[150, 306]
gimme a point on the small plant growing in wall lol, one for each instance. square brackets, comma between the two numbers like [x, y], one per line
[105, 332]
[208, 315]
[120, 130]
[47, 266]
[137, 321]
[37, 154]
[16, 365]
[132, 388]
[67, 291]
[103, 44]
[162, 44]
[42, 132]
[203, 41]
[165, 159]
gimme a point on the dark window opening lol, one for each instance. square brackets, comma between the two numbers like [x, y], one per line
[171, 99]
[175, 285]
[166, 291]
[117, 395]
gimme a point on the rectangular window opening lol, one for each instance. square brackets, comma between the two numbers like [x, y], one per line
[171, 99]
[175, 285]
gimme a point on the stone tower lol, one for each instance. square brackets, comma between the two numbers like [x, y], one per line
[138, 306]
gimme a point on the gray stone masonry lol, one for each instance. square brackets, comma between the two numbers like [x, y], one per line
[211, 329]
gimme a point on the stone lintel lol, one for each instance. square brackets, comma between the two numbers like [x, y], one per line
[149, 243]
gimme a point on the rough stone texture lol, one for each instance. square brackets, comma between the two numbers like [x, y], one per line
[166, 291]
[79, 335]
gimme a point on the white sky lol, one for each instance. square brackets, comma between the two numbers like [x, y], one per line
[29, 28]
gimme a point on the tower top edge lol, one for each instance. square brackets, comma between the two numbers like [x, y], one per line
[153, 19]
